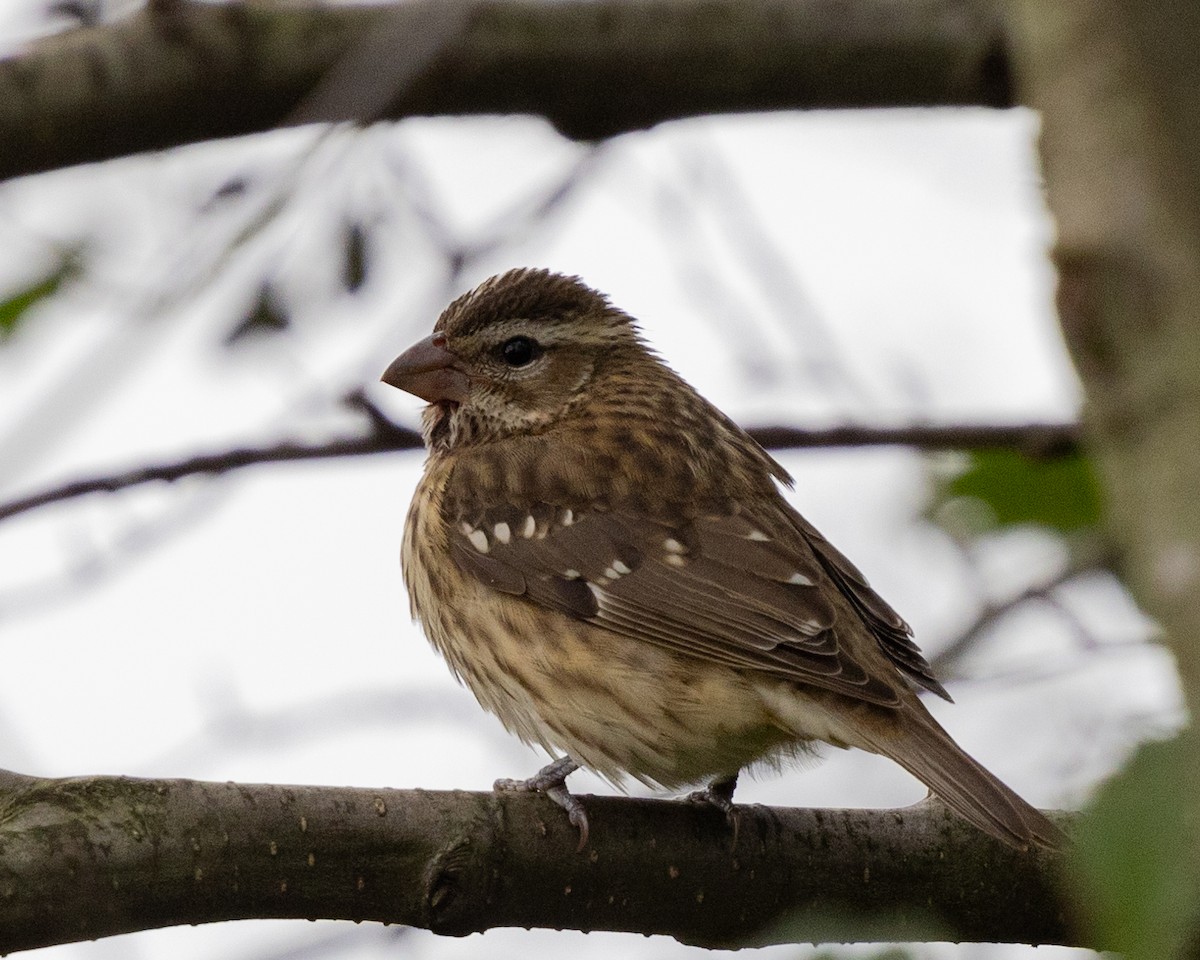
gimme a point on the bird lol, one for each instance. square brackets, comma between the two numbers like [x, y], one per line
[609, 564]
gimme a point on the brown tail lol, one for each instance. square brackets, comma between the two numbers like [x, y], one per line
[965, 786]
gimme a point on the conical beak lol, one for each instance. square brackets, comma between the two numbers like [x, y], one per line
[430, 371]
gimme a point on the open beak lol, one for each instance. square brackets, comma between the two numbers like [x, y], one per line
[430, 371]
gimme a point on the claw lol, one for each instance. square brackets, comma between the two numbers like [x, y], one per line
[575, 812]
[719, 794]
[551, 780]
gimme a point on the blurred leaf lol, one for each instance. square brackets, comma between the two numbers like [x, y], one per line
[1006, 488]
[233, 187]
[266, 316]
[354, 266]
[230, 189]
[1136, 852]
[14, 308]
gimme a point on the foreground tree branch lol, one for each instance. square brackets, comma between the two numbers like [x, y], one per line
[1118, 85]
[1034, 439]
[1121, 149]
[92, 857]
[181, 71]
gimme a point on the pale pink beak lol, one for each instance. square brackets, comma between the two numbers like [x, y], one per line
[430, 371]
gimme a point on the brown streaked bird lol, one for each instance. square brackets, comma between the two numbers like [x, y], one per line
[605, 559]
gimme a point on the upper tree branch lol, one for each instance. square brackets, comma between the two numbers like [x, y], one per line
[1045, 440]
[182, 71]
[115, 855]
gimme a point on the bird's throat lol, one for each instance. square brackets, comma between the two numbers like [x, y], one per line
[438, 423]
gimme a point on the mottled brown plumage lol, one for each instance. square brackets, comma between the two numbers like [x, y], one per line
[605, 559]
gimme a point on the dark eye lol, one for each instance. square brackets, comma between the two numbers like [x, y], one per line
[518, 351]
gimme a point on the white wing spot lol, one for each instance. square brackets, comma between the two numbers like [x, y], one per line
[466, 528]
[675, 560]
[503, 533]
[620, 568]
[757, 535]
[571, 574]
[478, 540]
[800, 580]
[527, 531]
[671, 545]
[568, 518]
[610, 573]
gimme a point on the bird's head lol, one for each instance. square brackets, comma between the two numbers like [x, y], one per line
[514, 356]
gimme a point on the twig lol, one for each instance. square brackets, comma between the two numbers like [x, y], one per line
[383, 440]
[1086, 559]
[1038, 439]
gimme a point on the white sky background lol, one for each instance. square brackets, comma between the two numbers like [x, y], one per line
[255, 627]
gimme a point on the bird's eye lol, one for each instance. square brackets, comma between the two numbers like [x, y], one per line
[519, 351]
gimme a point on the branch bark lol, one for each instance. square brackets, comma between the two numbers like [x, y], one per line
[181, 71]
[92, 857]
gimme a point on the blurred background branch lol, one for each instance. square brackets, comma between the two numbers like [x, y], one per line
[181, 71]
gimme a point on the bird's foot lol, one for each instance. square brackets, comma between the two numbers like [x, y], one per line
[552, 781]
[719, 794]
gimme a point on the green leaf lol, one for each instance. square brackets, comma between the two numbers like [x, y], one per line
[14, 308]
[1006, 488]
[1135, 855]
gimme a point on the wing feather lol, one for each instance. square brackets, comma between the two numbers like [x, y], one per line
[889, 628]
[720, 588]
